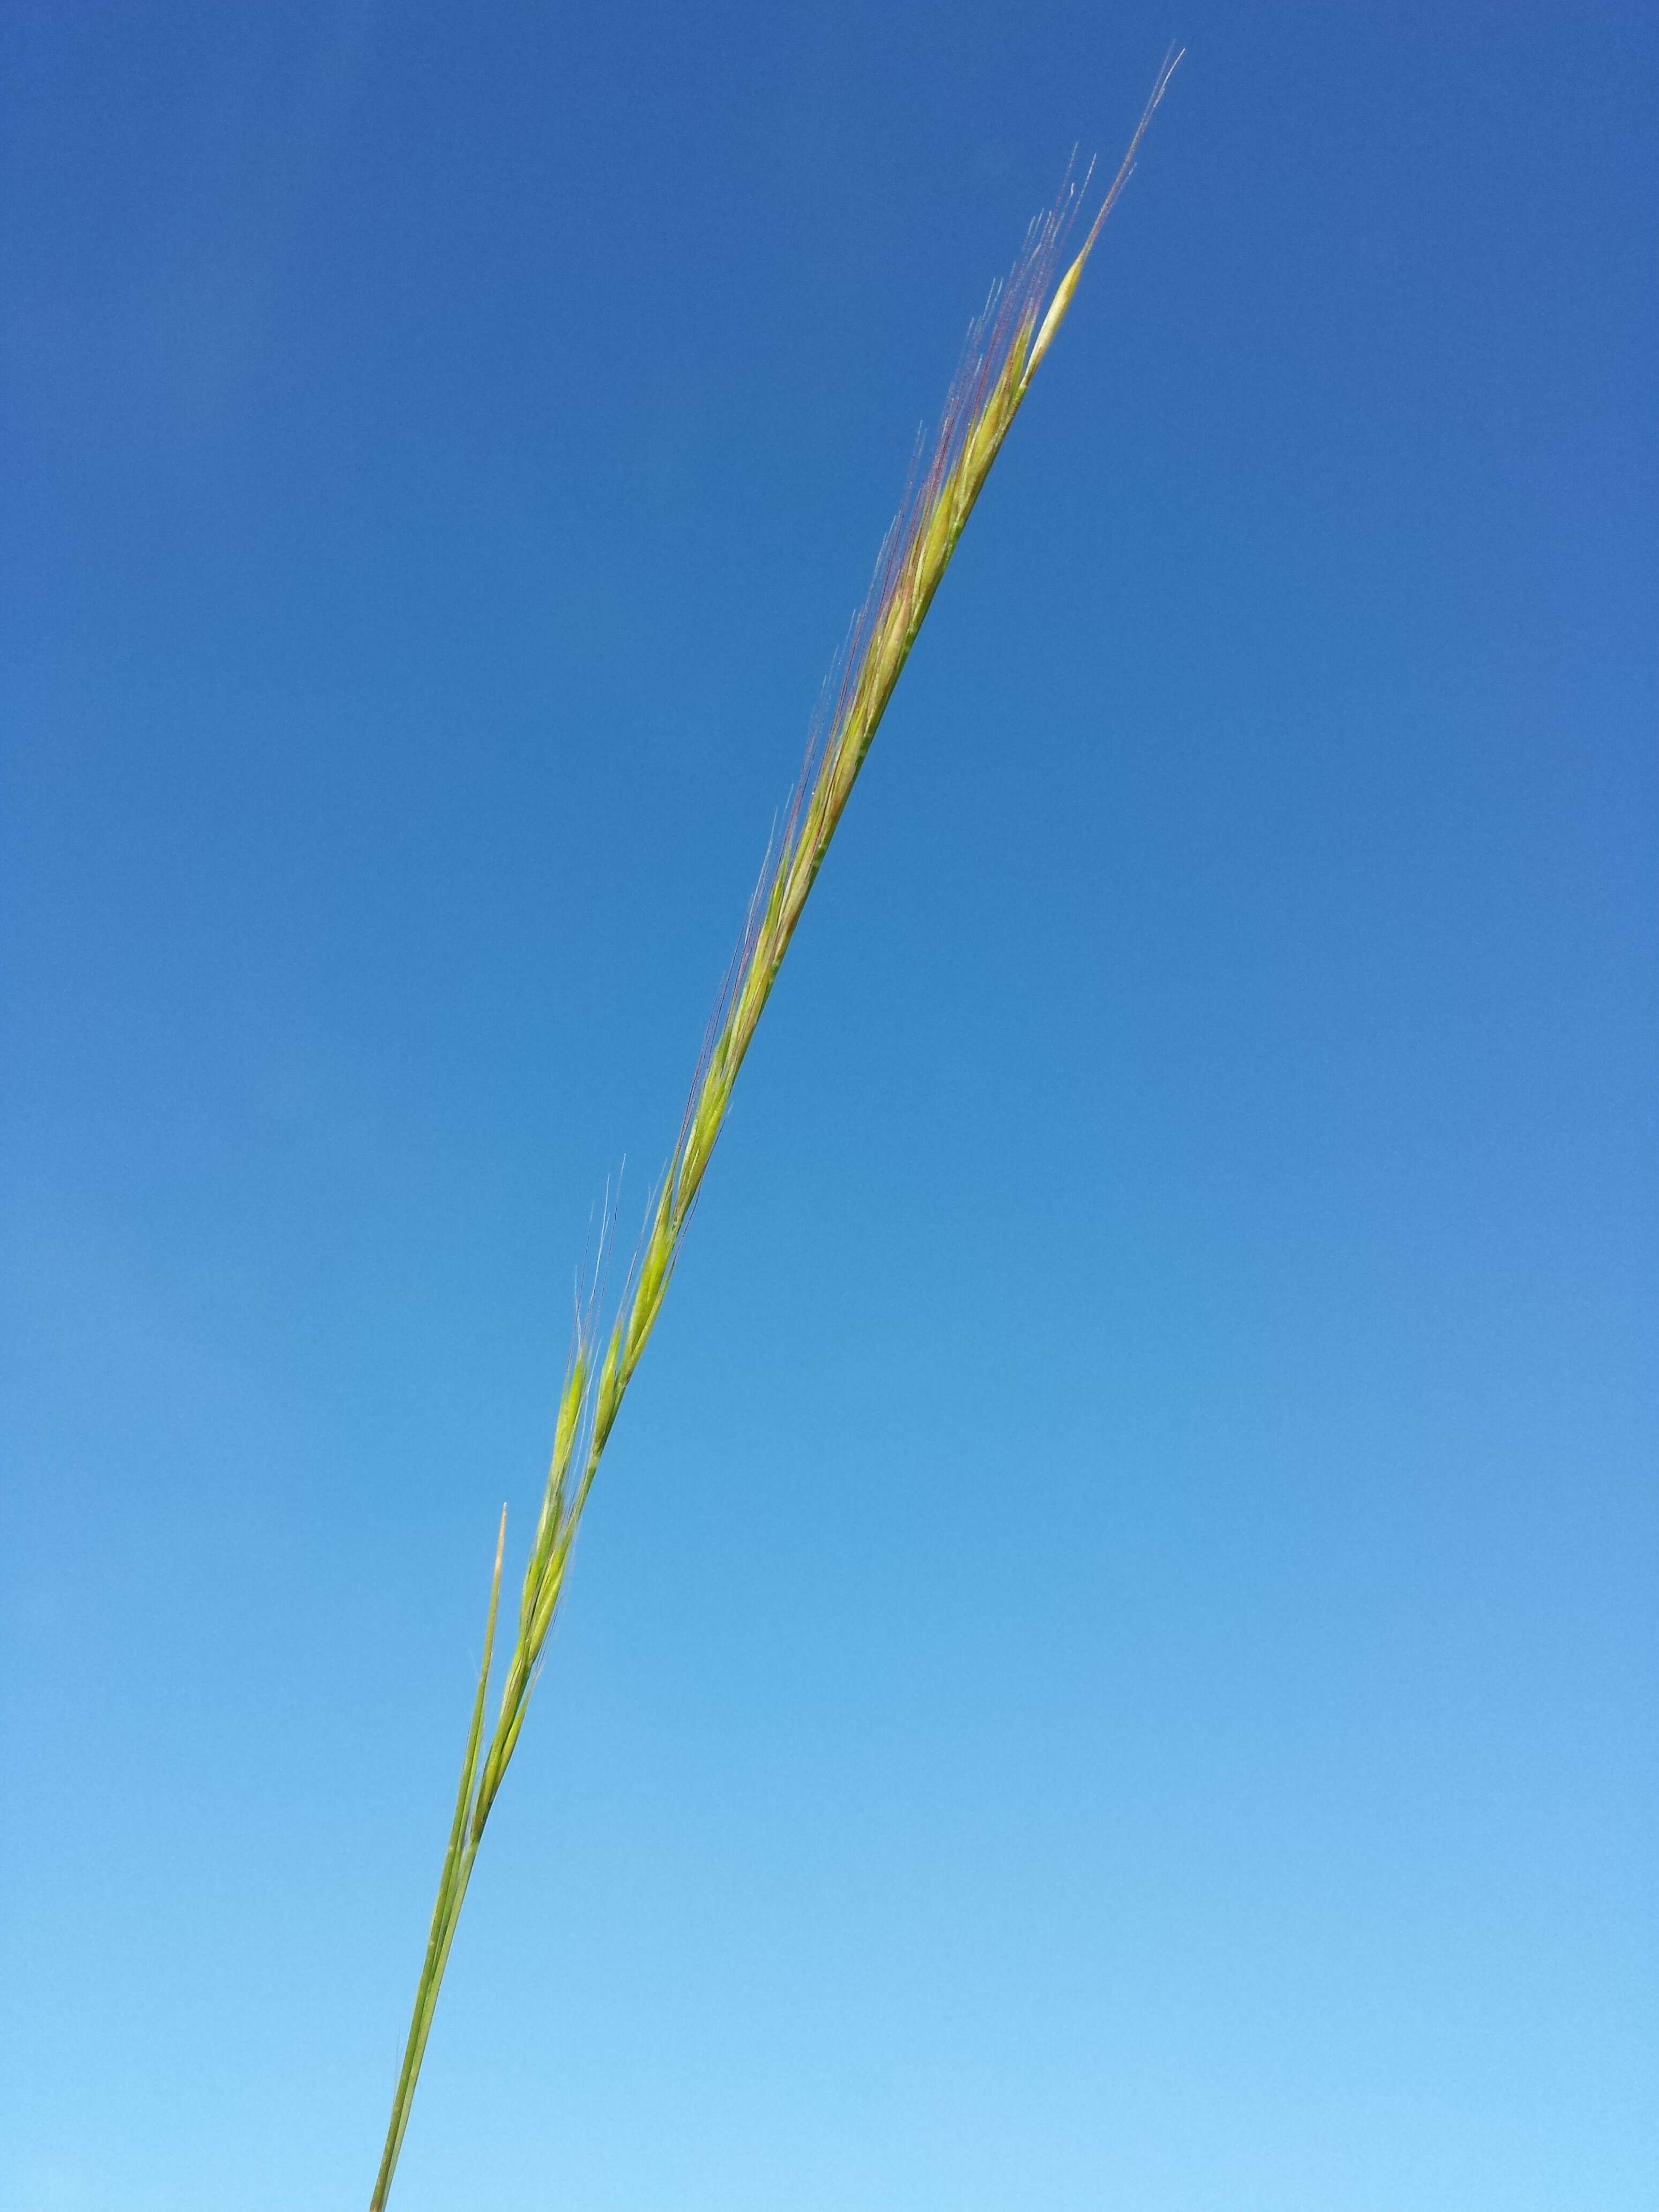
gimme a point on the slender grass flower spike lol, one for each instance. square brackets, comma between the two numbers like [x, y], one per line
[1005, 349]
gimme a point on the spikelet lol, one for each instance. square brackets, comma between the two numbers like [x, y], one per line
[1005, 349]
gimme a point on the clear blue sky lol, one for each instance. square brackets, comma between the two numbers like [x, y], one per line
[1112, 1665]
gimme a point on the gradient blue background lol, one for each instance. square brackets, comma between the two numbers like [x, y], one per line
[1112, 1664]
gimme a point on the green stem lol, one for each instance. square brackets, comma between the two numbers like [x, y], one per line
[981, 414]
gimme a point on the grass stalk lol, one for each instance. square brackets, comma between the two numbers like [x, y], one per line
[1005, 348]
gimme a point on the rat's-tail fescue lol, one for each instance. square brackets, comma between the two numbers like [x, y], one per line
[1004, 351]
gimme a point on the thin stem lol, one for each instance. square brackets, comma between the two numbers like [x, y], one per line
[1005, 350]
[452, 1889]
